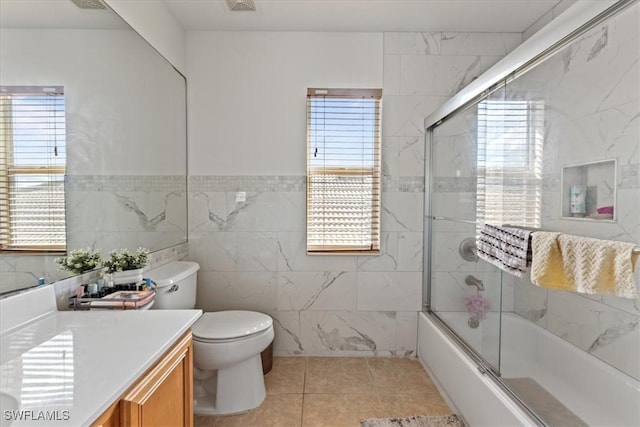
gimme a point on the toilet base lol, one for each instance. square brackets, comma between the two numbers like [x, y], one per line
[242, 387]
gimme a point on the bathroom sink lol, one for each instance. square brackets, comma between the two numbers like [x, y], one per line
[7, 403]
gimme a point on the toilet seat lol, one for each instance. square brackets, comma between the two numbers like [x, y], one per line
[229, 325]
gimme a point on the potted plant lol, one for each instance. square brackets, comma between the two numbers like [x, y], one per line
[126, 267]
[80, 261]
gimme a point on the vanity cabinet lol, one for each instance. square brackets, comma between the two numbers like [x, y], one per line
[163, 396]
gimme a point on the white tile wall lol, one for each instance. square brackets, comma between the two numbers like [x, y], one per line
[591, 92]
[253, 253]
[592, 96]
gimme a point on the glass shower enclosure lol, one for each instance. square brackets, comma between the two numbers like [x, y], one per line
[510, 156]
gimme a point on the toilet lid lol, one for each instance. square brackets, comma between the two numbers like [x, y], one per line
[230, 324]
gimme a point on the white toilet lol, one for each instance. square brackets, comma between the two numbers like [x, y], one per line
[226, 344]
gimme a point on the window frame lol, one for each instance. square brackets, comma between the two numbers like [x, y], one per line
[374, 172]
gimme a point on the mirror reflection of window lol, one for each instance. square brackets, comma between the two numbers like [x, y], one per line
[33, 165]
[510, 148]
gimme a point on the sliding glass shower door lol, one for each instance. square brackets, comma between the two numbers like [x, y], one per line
[465, 293]
[486, 169]
[514, 156]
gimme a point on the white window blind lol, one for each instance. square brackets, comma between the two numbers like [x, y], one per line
[510, 149]
[32, 161]
[343, 170]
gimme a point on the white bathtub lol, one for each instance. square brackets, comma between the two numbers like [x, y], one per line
[599, 394]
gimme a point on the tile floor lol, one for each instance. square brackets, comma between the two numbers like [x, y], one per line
[337, 392]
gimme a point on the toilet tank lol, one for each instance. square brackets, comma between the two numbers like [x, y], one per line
[175, 284]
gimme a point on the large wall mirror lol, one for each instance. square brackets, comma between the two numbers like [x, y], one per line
[124, 121]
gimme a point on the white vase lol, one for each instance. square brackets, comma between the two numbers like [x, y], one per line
[127, 276]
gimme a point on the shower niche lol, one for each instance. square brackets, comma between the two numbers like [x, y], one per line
[588, 191]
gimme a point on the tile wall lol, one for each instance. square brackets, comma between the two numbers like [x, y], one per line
[592, 95]
[125, 211]
[248, 231]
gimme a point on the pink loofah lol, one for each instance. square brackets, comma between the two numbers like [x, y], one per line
[477, 305]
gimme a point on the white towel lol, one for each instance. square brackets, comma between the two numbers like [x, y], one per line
[508, 248]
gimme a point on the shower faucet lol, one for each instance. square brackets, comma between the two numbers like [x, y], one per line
[468, 249]
[474, 281]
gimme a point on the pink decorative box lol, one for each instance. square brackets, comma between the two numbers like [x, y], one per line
[605, 210]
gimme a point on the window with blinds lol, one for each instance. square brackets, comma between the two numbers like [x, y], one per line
[510, 149]
[343, 170]
[33, 164]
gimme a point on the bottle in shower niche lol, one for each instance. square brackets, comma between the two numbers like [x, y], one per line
[578, 200]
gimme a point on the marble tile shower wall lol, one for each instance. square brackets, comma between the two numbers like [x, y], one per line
[591, 95]
[592, 91]
[454, 197]
[248, 232]
[424, 70]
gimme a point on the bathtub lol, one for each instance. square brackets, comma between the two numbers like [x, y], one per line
[596, 392]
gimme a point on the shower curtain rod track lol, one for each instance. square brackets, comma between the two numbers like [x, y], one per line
[524, 57]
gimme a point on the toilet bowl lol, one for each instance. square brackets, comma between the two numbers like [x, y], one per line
[226, 345]
[229, 343]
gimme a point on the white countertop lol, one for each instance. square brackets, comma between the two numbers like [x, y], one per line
[71, 366]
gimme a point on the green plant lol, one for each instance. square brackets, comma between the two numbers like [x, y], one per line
[122, 259]
[79, 261]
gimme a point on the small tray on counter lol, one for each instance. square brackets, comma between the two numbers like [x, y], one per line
[118, 300]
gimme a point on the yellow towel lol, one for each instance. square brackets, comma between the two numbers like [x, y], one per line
[581, 264]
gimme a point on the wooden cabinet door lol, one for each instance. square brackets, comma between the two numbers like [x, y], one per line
[110, 417]
[164, 395]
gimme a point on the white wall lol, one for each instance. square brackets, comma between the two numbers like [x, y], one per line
[247, 94]
[153, 21]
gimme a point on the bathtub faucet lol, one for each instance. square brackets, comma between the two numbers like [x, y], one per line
[473, 281]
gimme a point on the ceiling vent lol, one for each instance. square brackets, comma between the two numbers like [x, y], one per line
[89, 4]
[241, 5]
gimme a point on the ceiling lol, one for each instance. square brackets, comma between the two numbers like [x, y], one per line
[300, 15]
[363, 15]
[55, 14]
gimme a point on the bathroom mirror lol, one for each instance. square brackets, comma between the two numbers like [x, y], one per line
[125, 119]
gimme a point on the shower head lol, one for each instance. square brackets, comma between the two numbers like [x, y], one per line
[89, 4]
